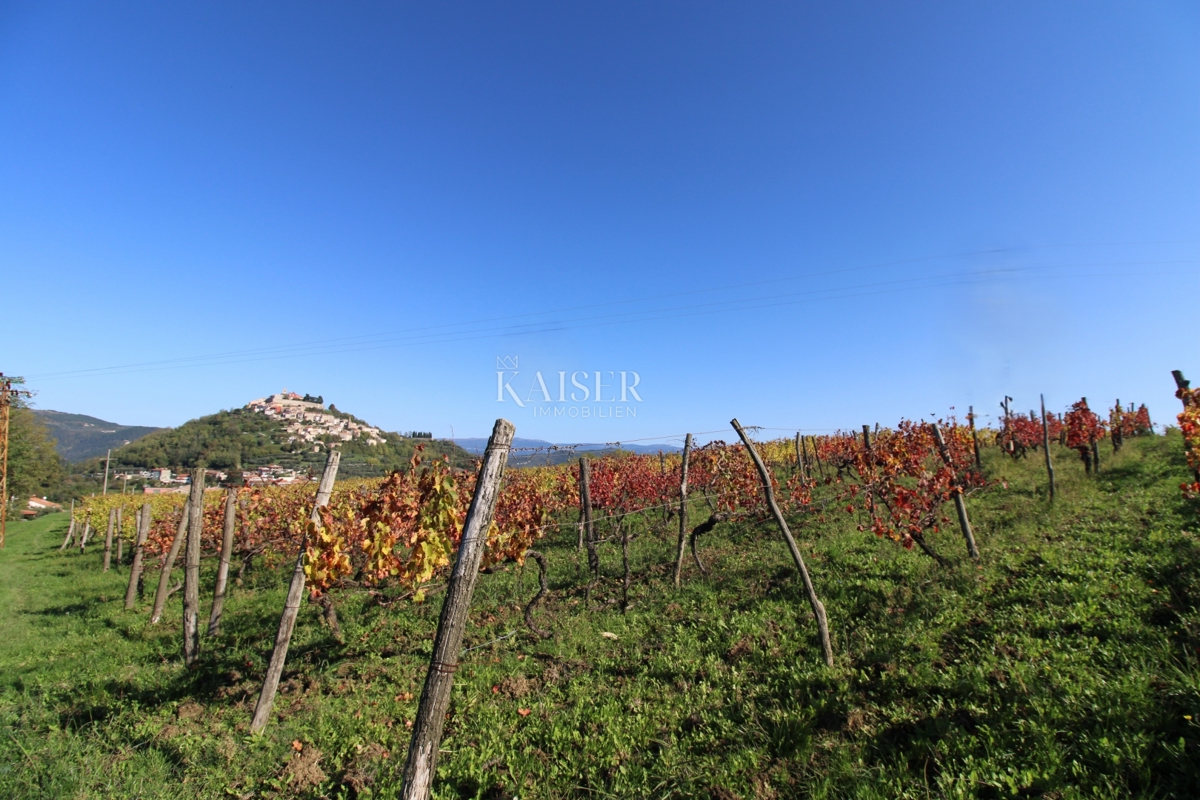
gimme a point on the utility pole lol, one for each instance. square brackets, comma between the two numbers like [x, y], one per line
[7, 393]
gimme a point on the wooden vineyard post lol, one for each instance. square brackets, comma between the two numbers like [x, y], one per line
[1114, 422]
[866, 438]
[960, 505]
[191, 570]
[589, 528]
[975, 435]
[1009, 446]
[435, 697]
[164, 576]
[135, 569]
[817, 457]
[214, 619]
[687, 450]
[817, 608]
[120, 539]
[1046, 446]
[87, 529]
[70, 529]
[799, 456]
[808, 470]
[291, 607]
[108, 534]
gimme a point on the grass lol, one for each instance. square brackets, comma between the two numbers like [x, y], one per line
[1065, 664]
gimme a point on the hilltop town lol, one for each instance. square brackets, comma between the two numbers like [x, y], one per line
[307, 419]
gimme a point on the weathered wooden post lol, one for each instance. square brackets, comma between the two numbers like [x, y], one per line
[960, 505]
[1009, 444]
[164, 576]
[120, 538]
[1114, 422]
[975, 436]
[191, 570]
[135, 569]
[687, 450]
[817, 608]
[435, 697]
[291, 607]
[214, 619]
[585, 500]
[817, 457]
[108, 537]
[1046, 446]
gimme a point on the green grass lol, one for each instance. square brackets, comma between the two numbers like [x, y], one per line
[1064, 664]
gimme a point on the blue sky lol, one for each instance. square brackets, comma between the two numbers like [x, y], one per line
[805, 215]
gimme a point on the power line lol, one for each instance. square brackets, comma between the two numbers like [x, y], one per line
[421, 336]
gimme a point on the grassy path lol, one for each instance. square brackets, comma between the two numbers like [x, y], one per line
[1063, 665]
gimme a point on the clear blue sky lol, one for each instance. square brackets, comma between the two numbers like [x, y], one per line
[805, 215]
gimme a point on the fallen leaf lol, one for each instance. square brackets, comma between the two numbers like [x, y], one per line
[524, 712]
[297, 746]
[608, 635]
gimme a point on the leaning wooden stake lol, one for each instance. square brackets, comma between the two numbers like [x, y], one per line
[214, 619]
[70, 529]
[435, 698]
[120, 539]
[135, 569]
[83, 539]
[817, 608]
[1046, 445]
[960, 505]
[164, 576]
[191, 571]
[108, 534]
[291, 607]
[687, 450]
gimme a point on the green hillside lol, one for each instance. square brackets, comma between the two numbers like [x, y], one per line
[241, 439]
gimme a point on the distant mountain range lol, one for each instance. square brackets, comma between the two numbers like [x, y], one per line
[539, 452]
[240, 438]
[81, 437]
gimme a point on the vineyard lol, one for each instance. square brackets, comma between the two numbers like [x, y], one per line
[946, 615]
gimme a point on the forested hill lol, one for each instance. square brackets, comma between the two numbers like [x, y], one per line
[241, 439]
[79, 436]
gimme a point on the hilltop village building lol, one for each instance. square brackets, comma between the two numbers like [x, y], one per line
[308, 421]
